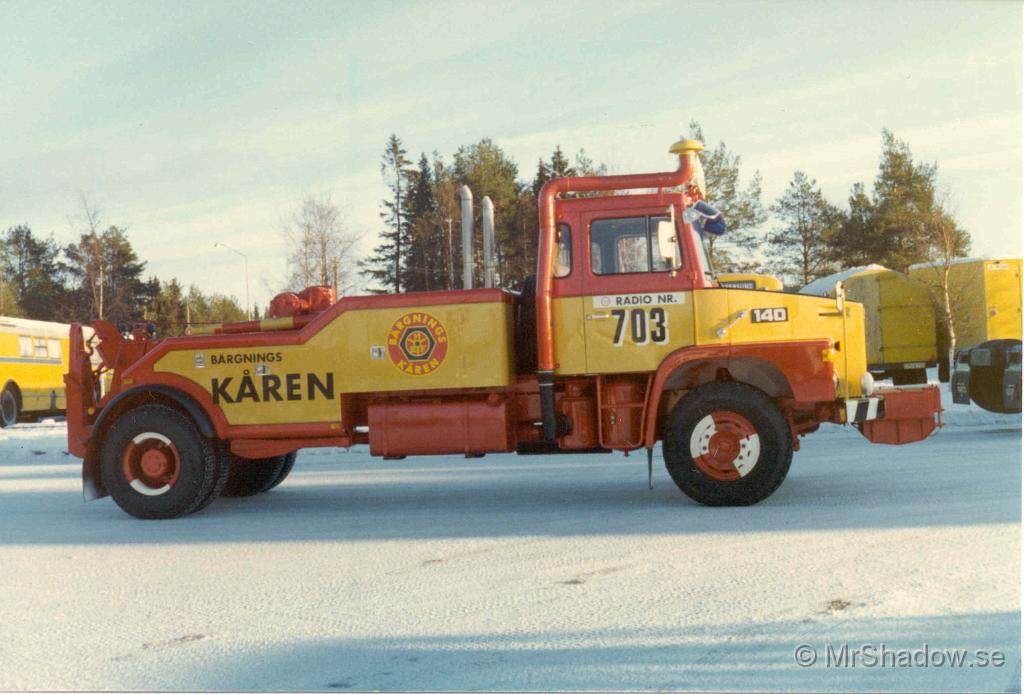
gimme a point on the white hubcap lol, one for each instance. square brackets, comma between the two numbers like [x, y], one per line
[701, 442]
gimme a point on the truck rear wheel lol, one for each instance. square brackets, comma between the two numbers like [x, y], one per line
[249, 477]
[8, 407]
[286, 469]
[727, 444]
[156, 464]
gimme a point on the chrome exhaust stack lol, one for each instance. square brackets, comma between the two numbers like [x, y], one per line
[466, 195]
[490, 262]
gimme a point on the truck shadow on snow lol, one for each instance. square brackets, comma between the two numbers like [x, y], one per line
[837, 482]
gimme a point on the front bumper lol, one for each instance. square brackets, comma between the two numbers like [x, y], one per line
[896, 415]
[863, 409]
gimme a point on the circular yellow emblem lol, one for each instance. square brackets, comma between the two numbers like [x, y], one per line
[417, 343]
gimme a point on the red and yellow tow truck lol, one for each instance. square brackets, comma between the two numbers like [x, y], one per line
[624, 339]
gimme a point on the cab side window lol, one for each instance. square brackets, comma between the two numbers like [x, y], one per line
[626, 245]
[563, 251]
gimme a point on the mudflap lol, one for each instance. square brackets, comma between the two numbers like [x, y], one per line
[911, 414]
[92, 486]
[80, 393]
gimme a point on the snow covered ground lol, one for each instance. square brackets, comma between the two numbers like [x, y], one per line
[549, 572]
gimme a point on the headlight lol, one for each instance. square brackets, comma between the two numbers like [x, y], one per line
[867, 383]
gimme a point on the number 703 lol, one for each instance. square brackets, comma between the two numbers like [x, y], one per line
[645, 326]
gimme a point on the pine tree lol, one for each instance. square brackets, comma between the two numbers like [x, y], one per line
[558, 167]
[425, 266]
[487, 170]
[893, 227]
[106, 278]
[542, 176]
[855, 245]
[30, 267]
[800, 248]
[385, 266]
[167, 309]
[446, 200]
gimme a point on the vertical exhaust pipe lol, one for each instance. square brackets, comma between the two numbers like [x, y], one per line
[489, 260]
[466, 195]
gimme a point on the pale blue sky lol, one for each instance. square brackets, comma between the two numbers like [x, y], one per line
[197, 122]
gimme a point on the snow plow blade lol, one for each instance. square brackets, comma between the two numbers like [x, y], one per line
[911, 414]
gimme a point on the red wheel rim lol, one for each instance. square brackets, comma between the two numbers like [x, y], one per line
[725, 446]
[151, 464]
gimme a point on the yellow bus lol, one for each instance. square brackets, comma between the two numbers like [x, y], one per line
[33, 359]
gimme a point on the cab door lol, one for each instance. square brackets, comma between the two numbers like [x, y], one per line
[636, 308]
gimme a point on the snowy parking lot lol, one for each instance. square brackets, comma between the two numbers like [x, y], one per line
[545, 572]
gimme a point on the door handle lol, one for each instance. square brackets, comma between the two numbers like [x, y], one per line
[598, 316]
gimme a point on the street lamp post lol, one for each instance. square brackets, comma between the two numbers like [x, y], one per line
[245, 259]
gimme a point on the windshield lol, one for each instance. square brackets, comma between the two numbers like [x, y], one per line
[704, 259]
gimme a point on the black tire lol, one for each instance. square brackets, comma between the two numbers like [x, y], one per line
[220, 474]
[172, 436]
[252, 476]
[770, 453]
[286, 469]
[987, 381]
[909, 377]
[9, 408]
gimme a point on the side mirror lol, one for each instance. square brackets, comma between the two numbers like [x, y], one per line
[668, 247]
[840, 297]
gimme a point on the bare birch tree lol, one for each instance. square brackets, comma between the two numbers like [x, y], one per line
[321, 248]
[93, 263]
[945, 242]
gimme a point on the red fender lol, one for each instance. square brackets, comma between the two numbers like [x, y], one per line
[809, 376]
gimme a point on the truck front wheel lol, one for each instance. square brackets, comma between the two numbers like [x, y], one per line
[727, 444]
[156, 464]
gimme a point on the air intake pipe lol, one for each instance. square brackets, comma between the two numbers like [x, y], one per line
[688, 166]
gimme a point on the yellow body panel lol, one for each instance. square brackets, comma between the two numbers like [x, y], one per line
[663, 325]
[361, 351]
[705, 317]
[1003, 299]
[569, 340]
[724, 316]
[986, 298]
[34, 357]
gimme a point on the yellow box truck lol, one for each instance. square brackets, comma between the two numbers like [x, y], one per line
[985, 303]
[899, 320]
